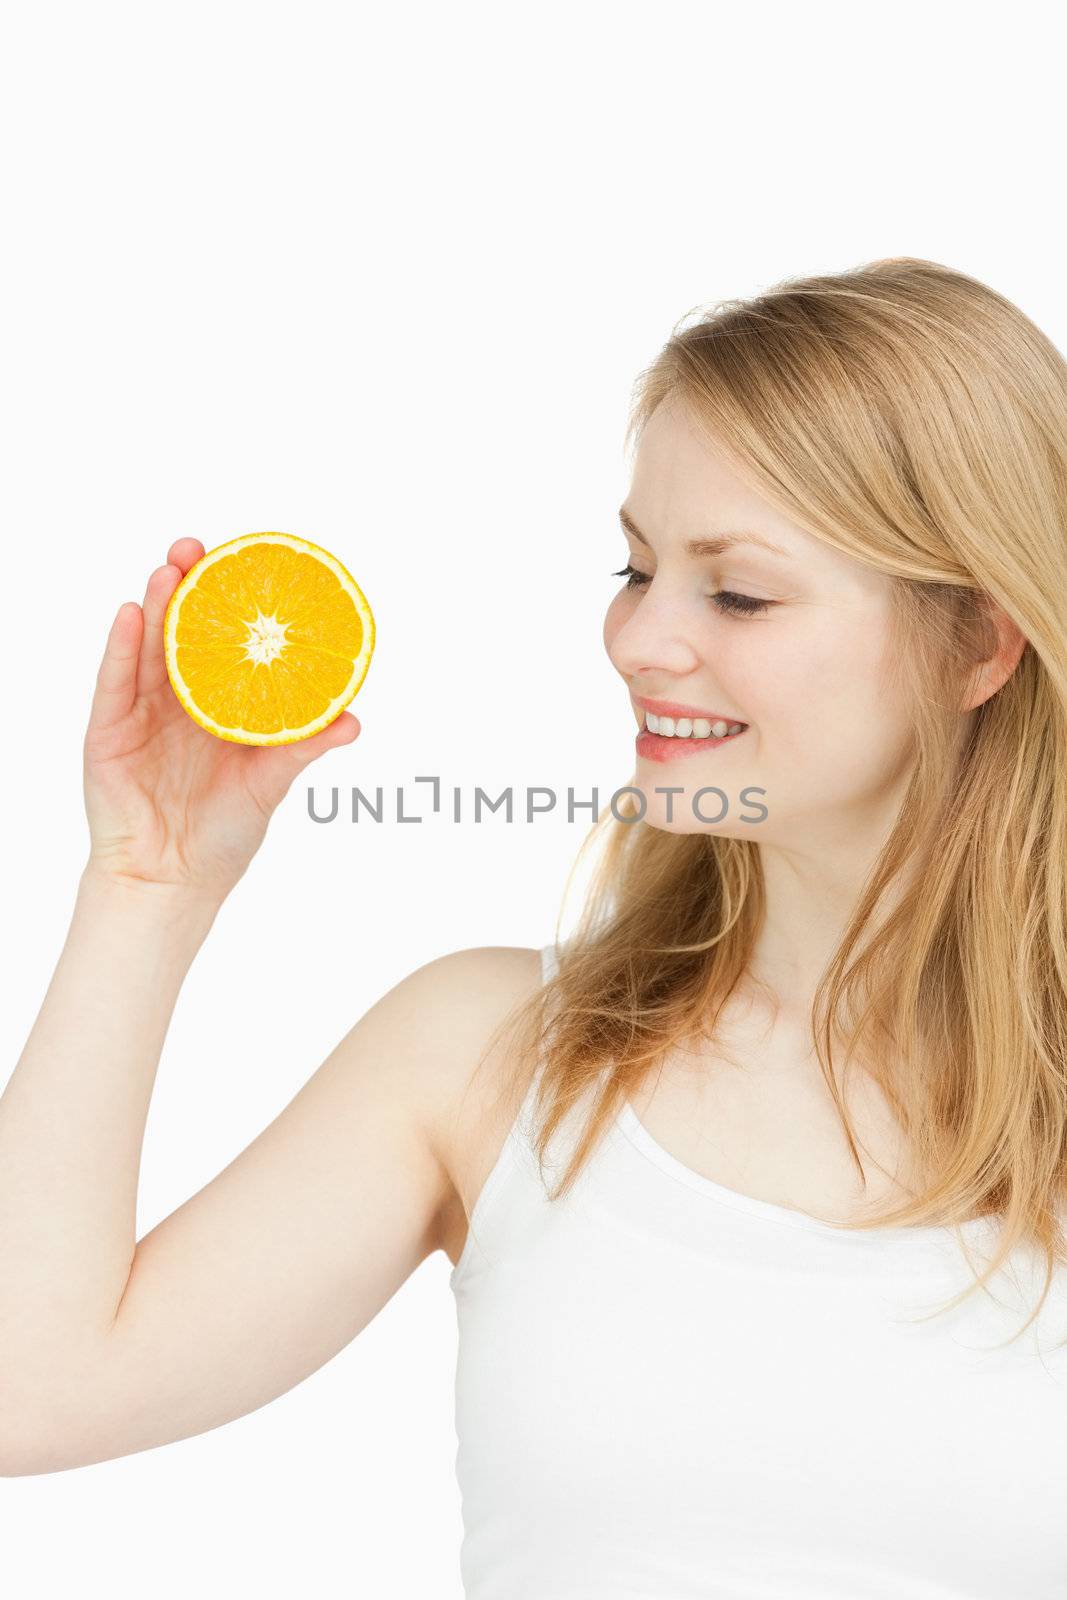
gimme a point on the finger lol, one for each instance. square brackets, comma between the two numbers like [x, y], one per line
[185, 553]
[152, 669]
[279, 764]
[342, 730]
[116, 679]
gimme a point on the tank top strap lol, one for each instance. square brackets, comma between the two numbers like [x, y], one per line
[521, 1129]
[549, 962]
[515, 1164]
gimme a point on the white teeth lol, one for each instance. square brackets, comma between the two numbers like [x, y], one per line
[690, 727]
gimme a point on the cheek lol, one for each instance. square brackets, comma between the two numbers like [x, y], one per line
[829, 711]
[810, 691]
[830, 673]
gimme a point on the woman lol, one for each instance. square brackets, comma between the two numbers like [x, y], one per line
[711, 1359]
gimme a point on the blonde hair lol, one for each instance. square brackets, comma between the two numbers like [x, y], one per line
[915, 419]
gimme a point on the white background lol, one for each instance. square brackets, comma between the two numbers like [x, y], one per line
[383, 279]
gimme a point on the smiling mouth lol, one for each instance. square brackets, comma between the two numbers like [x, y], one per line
[694, 728]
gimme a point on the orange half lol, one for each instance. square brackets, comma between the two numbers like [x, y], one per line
[267, 638]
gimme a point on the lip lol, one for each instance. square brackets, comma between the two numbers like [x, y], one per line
[653, 747]
[673, 708]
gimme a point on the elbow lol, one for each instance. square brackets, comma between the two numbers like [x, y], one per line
[28, 1448]
[39, 1435]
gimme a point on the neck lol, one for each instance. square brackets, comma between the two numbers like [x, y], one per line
[811, 894]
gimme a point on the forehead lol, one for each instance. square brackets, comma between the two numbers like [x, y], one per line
[685, 486]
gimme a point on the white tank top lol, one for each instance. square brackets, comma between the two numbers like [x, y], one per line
[667, 1390]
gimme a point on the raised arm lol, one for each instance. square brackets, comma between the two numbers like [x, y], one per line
[175, 816]
[110, 1345]
[279, 1262]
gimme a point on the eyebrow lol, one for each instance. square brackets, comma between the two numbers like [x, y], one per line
[713, 546]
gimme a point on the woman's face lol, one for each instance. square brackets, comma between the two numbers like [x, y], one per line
[792, 643]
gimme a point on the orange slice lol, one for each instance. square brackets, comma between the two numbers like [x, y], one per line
[267, 638]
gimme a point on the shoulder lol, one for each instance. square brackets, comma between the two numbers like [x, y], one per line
[479, 985]
[458, 999]
[454, 1010]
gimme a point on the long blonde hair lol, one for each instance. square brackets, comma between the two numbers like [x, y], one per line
[916, 420]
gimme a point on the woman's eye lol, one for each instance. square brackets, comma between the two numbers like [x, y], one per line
[634, 579]
[740, 605]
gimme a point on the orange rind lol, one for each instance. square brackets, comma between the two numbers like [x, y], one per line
[266, 639]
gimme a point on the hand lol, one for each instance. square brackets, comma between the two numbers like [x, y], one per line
[167, 802]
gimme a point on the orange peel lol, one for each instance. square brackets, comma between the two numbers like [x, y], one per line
[266, 639]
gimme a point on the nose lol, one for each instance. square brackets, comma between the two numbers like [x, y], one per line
[657, 637]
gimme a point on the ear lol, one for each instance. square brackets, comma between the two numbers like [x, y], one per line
[1009, 644]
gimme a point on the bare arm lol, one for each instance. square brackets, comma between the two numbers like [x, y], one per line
[174, 816]
[109, 1345]
[72, 1121]
[279, 1262]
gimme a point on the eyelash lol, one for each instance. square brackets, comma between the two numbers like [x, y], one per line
[739, 605]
